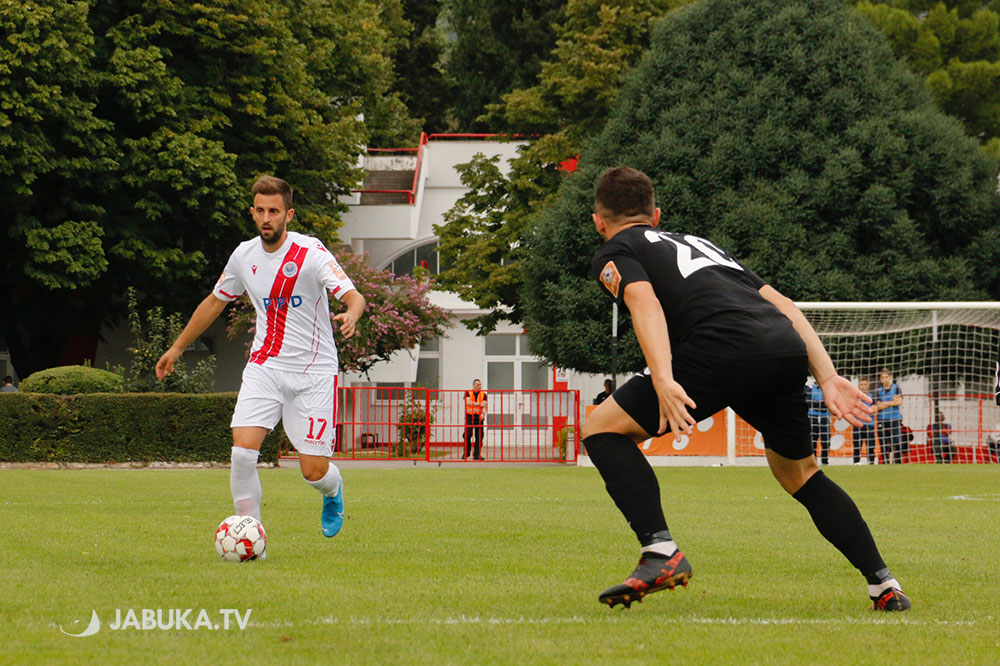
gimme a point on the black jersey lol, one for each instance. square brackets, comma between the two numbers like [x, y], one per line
[711, 302]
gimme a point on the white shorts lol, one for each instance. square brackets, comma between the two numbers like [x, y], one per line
[306, 405]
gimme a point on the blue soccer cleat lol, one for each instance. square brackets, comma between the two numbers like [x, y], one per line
[332, 518]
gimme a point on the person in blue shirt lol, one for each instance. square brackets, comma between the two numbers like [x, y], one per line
[863, 436]
[888, 399]
[819, 422]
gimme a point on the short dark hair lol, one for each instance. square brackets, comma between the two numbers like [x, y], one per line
[8, 380]
[272, 185]
[625, 192]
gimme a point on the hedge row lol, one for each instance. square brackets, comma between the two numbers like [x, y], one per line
[122, 427]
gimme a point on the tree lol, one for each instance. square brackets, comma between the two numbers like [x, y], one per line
[484, 236]
[131, 132]
[955, 46]
[787, 133]
[419, 79]
[397, 315]
[496, 47]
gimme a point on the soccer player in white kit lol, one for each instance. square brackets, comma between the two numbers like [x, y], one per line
[292, 370]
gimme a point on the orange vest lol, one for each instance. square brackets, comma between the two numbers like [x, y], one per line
[478, 402]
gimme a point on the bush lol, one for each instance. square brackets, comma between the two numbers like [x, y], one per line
[153, 335]
[116, 428]
[72, 380]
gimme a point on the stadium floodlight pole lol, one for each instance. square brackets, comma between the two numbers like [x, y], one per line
[614, 345]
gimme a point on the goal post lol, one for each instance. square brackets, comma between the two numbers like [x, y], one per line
[942, 356]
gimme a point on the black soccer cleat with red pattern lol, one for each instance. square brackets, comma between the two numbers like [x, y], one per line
[654, 573]
[891, 599]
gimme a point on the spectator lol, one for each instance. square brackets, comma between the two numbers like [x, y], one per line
[863, 437]
[819, 422]
[939, 436]
[993, 444]
[8, 385]
[475, 411]
[606, 393]
[905, 437]
[888, 399]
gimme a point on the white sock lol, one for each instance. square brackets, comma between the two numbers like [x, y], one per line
[666, 548]
[329, 485]
[244, 482]
[875, 590]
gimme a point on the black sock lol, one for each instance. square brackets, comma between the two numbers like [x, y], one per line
[630, 482]
[839, 521]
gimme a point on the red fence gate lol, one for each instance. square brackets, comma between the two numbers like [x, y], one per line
[426, 424]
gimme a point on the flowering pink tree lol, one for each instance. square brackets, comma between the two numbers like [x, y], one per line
[398, 315]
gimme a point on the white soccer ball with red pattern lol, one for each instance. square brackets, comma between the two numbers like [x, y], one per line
[240, 538]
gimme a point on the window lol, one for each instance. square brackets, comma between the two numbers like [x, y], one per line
[428, 372]
[511, 365]
[500, 344]
[425, 256]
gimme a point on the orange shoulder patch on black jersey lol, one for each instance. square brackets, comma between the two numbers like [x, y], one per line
[611, 278]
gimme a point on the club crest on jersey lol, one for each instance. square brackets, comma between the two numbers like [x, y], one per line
[290, 269]
[611, 278]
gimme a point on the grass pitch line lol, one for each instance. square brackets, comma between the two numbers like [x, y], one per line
[459, 620]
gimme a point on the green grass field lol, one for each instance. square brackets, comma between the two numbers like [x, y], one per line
[494, 566]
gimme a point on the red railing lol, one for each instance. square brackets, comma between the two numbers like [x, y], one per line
[411, 194]
[429, 425]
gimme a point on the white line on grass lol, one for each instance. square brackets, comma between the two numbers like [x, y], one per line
[988, 497]
[579, 619]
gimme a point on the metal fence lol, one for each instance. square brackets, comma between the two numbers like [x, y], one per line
[426, 424]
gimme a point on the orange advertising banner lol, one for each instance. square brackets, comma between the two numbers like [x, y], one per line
[709, 439]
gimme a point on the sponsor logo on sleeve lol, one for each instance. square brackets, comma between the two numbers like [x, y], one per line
[337, 270]
[611, 278]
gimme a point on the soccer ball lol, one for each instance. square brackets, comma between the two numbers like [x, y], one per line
[240, 538]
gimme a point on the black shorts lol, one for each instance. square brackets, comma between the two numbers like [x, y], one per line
[768, 393]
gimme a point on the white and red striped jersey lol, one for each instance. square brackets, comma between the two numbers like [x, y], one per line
[288, 289]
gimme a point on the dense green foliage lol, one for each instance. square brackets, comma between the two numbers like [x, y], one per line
[130, 133]
[955, 45]
[72, 380]
[786, 133]
[417, 63]
[496, 47]
[115, 428]
[483, 238]
[463, 543]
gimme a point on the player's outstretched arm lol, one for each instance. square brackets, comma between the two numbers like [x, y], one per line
[206, 312]
[348, 320]
[844, 399]
[650, 325]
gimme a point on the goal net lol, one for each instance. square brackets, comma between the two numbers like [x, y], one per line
[942, 357]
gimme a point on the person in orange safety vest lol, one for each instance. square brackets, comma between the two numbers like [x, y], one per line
[475, 413]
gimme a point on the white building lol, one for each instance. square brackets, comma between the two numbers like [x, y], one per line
[405, 194]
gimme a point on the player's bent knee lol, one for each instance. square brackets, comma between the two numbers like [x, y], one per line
[313, 468]
[791, 474]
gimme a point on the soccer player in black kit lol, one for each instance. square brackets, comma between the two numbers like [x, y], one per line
[713, 335]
